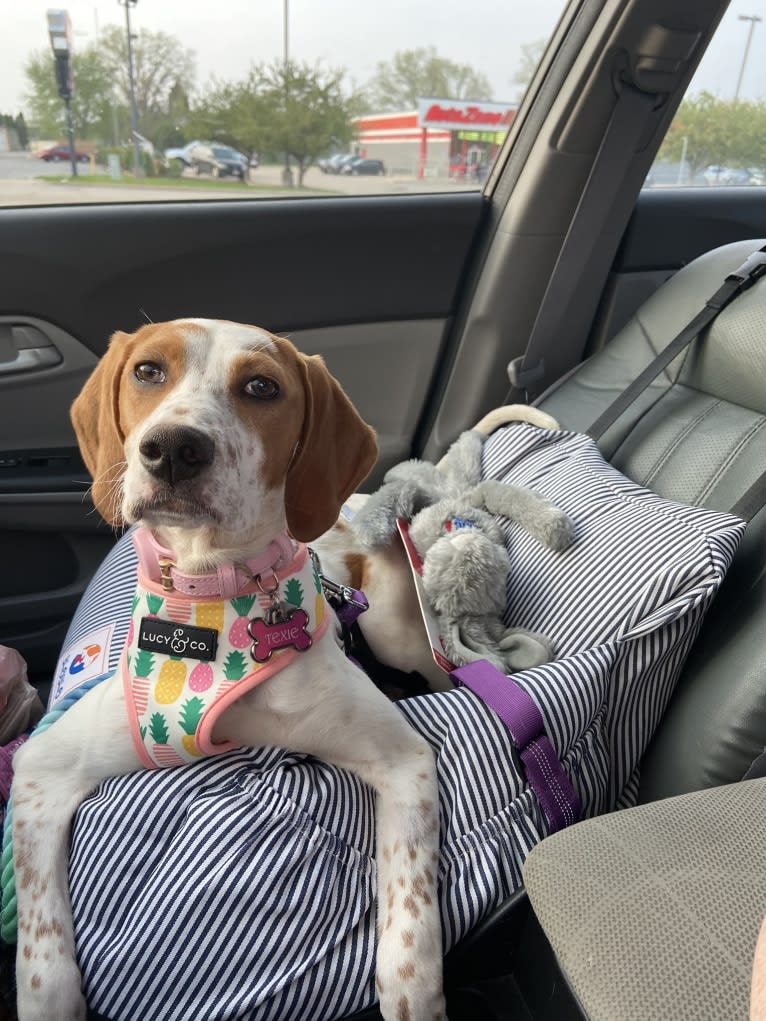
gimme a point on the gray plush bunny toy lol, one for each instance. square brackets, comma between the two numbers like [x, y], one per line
[452, 524]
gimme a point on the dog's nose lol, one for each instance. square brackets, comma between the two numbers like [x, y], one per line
[176, 454]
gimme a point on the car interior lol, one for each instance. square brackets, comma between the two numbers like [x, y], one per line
[562, 267]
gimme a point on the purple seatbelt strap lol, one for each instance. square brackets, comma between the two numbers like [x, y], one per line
[543, 771]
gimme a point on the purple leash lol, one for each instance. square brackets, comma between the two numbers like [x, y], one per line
[541, 767]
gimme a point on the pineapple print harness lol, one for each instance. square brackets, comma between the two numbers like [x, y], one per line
[189, 655]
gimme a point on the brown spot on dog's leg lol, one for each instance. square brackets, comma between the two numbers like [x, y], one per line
[403, 1010]
[27, 951]
[408, 938]
[411, 906]
[35, 983]
[407, 971]
[419, 890]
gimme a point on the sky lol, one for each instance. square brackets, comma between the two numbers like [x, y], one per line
[227, 37]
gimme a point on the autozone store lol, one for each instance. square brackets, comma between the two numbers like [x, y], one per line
[442, 136]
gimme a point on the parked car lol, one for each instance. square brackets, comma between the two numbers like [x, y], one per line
[336, 163]
[717, 175]
[358, 165]
[182, 154]
[218, 161]
[144, 144]
[60, 154]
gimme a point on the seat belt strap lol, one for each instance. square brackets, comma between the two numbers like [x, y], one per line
[539, 764]
[752, 500]
[734, 284]
[616, 152]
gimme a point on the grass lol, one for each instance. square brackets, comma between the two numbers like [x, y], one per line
[162, 182]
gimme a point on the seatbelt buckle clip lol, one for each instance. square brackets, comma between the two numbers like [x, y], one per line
[751, 269]
[522, 378]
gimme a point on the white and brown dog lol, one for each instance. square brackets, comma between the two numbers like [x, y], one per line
[230, 449]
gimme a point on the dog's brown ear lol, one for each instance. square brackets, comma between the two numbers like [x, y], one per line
[335, 453]
[96, 419]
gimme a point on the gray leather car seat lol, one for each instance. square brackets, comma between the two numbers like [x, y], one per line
[654, 912]
[696, 435]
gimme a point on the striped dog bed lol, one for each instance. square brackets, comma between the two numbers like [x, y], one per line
[243, 887]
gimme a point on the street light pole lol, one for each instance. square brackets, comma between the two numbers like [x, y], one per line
[60, 33]
[287, 174]
[127, 4]
[752, 18]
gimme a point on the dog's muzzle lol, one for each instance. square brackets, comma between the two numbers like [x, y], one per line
[176, 454]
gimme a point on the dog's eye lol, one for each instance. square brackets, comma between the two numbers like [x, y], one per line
[261, 387]
[149, 372]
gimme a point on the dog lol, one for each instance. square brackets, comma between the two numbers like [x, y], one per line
[230, 450]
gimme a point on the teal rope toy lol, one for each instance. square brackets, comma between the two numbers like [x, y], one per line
[7, 876]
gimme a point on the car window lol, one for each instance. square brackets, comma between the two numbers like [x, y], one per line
[429, 97]
[718, 136]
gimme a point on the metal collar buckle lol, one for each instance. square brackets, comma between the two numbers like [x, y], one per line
[165, 565]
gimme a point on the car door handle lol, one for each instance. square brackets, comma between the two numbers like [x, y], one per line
[25, 348]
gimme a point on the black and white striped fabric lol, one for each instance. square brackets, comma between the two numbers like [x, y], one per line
[243, 887]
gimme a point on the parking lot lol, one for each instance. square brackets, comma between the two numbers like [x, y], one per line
[20, 185]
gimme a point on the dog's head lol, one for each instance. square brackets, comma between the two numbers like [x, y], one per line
[206, 423]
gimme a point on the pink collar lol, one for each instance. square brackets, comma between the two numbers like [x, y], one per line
[226, 582]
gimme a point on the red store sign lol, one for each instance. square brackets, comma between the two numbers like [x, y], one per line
[457, 114]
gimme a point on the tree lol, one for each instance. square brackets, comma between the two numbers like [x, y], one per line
[412, 74]
[531, 55]
[21, 130]
[161, 67]
[295, 109]
[305, 110]
[17, 128]
[90, 102]
[164, 77]
[707, 130]
[230, 112]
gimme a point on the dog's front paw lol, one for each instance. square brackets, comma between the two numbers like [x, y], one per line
[48, 988]
[406, 1001]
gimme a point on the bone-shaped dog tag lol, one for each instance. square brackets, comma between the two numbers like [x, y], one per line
[284, 634]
